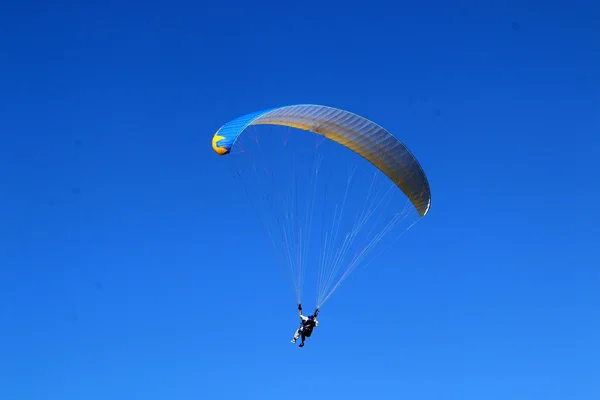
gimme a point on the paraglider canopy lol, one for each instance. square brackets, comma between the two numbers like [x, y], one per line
[357, 133]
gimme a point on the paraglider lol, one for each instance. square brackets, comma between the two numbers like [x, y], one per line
[306, 325]
[303, 178]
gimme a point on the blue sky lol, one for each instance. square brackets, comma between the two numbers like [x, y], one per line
[115, 281]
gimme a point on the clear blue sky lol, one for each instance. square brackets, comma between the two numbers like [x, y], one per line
[114, 281]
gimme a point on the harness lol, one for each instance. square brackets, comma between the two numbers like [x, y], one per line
[309, 324]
